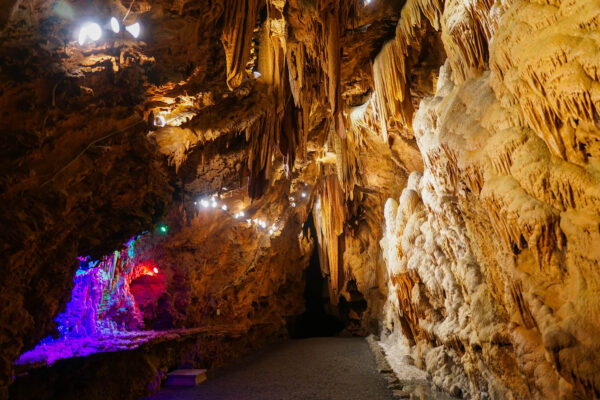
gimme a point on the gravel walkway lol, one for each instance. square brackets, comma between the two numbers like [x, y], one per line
[302, 369]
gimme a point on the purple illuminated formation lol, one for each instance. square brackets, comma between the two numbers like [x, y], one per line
[103, 314]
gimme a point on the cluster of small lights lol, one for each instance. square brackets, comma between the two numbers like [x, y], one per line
[93, 31]
[213, 202]
[259, 222]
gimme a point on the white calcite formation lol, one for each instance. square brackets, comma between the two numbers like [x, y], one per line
[491, 252]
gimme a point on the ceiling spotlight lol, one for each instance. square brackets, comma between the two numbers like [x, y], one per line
[204, 203]
[160, 121]
[114, 25]
[134, 29]
[303, 194]
[89, 30]
[224, 207]
[293, 204]
[213, 204]
[82, 36]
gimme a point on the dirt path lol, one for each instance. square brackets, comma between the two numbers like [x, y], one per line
[303, 369]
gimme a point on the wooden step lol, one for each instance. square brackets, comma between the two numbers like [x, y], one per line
[186, 377]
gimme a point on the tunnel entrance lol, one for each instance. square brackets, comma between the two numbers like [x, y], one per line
[315, 322]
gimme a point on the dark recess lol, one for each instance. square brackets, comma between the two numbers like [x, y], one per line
[315, 322]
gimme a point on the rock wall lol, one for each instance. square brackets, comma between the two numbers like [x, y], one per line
[491, 249]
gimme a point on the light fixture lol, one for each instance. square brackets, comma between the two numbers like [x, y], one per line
[213, 204]
[155, 270]
[114, 25]
[256, 74]
[224, 207]
[204, 203]
[163, 228]
[242, 213]
[303, 194]
[293, 204]
[160, 121]
[292, 198]
[134, 29]
[89, 30]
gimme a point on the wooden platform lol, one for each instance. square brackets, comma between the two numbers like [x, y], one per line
[186, 377]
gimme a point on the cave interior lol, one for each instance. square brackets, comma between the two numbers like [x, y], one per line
[184, 182]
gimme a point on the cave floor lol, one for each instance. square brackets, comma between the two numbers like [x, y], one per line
[315, 368]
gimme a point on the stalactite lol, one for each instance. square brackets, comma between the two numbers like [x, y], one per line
[466, 35]
[389, 76]
[280, 127]
[301, 90]
[329, 219]
[238, 28]
[392, 93]
[538, 57]
[346, 150]
[333, 17]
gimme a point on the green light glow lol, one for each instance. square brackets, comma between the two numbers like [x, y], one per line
[163, 228]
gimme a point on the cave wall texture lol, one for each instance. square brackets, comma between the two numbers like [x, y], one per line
[448, 150]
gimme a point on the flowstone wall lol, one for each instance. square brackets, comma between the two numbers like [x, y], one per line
[491, 252]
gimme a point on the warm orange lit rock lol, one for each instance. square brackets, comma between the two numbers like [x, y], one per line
[441, 157]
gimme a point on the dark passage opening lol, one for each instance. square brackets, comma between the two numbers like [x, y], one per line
[315, 321]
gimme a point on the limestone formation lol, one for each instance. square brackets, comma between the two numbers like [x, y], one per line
[165, 187]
